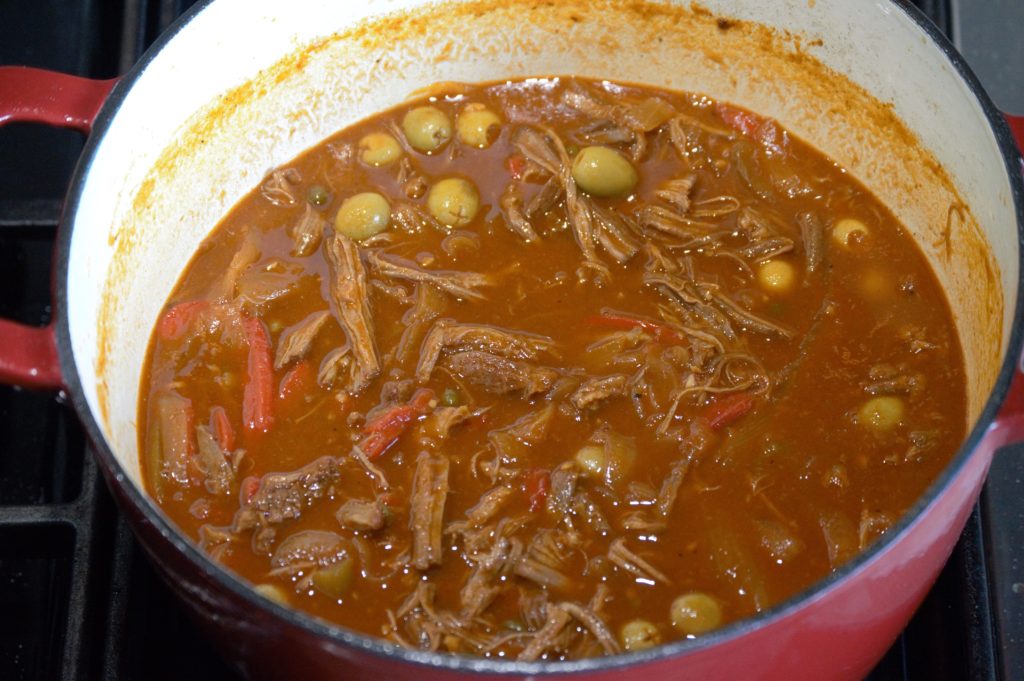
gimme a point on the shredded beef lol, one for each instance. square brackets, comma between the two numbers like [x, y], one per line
[351, 305]
[593, 391]
[430, 490]
[296, 341]
[501, 376]
[283, 496]
[365, 516]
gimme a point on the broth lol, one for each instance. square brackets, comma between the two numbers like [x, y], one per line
[580, 368]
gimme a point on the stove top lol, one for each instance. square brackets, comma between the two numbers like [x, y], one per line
[78, 601]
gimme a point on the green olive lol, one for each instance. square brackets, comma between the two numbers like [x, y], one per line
[776, 276]
[608, 457]
[478, 126]
[363, 215]
[334, 581]
[379, 149]
[849, 232]
[592, 459]
[272, 592]
[453, 201]
[639, 635]
[881, 413]
[695, 613]
[427, 128]
[602, 171]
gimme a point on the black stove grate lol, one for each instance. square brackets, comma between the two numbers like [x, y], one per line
[77, 599]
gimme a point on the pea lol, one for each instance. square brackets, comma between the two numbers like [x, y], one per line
[453, 201]
[318, 196]
[695, 613]
[363, 215]
[881, 413]
[639, 635]
[427, 128]
[514, 625]
[450, 397]
[379, 149]
[602, 171]
[478, 126]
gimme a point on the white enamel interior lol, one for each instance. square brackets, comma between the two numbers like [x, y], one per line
[131, 246]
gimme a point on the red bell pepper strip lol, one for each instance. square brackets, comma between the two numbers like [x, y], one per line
[660, 332]
[385, 429]
[247, 490]
[538, 482]
[220, 424]
[727, 409]
[516, 165]
[179, 319]
[259, 387]
[762, 130]
[296, 380]
[739, 120]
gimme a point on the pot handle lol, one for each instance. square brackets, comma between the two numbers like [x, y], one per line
[30, 95]
[28, 354]
[1016, 124]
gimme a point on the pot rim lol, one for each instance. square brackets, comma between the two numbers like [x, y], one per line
[378, 647]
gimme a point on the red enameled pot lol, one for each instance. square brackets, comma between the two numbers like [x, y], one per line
[240, 86]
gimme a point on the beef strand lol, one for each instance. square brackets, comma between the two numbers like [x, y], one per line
[350, 301]
[593, 391]
[446, 334]
[430, 490]
[308, 232]
[283, 496]
[458, 284]
[363, 516]
[213, 462]
[296, 341]
[501, 376]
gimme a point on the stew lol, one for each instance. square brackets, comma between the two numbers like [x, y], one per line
[547, 369]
